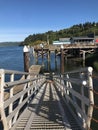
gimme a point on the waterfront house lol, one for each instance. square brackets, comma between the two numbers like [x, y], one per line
[82, 40]
[62, 41]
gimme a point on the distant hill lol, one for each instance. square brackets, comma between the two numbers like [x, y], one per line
[2, 44]
[86, 29]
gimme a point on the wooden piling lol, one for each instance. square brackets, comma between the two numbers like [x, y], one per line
[26, 58]
[48, 55]
[83, 52]
[62, 61]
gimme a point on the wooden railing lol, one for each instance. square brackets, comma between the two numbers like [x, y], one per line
[77, 90]
[16, 90]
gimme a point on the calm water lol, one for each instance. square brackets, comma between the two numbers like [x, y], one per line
[11, 58]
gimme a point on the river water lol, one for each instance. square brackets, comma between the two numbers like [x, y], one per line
[11, 58]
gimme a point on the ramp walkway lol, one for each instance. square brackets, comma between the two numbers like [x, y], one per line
[45, 111]
[35, 102]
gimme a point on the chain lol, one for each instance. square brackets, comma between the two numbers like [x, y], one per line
[95, 120]
[95, 92]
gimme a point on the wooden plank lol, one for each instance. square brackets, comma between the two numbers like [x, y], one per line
[35, 69]
[27, 112]
[36, 100]
[64, 117]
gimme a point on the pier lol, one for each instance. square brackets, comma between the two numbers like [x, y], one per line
[74, 50]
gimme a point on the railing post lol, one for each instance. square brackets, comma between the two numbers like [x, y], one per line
[83, 58]
[67, 84]
[62, 83]
[91, 97]
[82, 102]
[3, 117]
[11, 105]
[29, 86]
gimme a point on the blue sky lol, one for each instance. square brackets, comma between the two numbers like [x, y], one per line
[20, 18]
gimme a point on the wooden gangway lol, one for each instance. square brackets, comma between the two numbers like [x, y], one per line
[62, 102]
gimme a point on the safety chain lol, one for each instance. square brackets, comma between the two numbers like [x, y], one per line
[96, 77]
[0, 118]
[95, 120]
[95, 92]
[95, 106]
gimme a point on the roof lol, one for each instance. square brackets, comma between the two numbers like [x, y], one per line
[61, 42]
[83, 38]
[64, 39]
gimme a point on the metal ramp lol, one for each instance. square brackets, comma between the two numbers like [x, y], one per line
[46, 112]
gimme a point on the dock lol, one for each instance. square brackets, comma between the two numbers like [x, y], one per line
[74, 50]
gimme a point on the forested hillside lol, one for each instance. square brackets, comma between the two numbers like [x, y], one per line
[86, 29]
[4, 44]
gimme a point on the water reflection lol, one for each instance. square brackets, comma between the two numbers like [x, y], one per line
[53, 64]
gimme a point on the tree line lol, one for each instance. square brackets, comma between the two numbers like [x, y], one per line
[87, 29]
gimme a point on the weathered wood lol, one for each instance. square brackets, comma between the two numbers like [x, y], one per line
[70, 50]
[35, 69]
[86, 102]
[62, 61]
[26, 58]
[48, 117]
[91, 97]
[14, 94]
[49, 99]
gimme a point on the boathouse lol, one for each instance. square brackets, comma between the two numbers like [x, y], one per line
[62, 41]
[82, 40]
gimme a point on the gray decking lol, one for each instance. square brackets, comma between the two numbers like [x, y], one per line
[46, 112]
